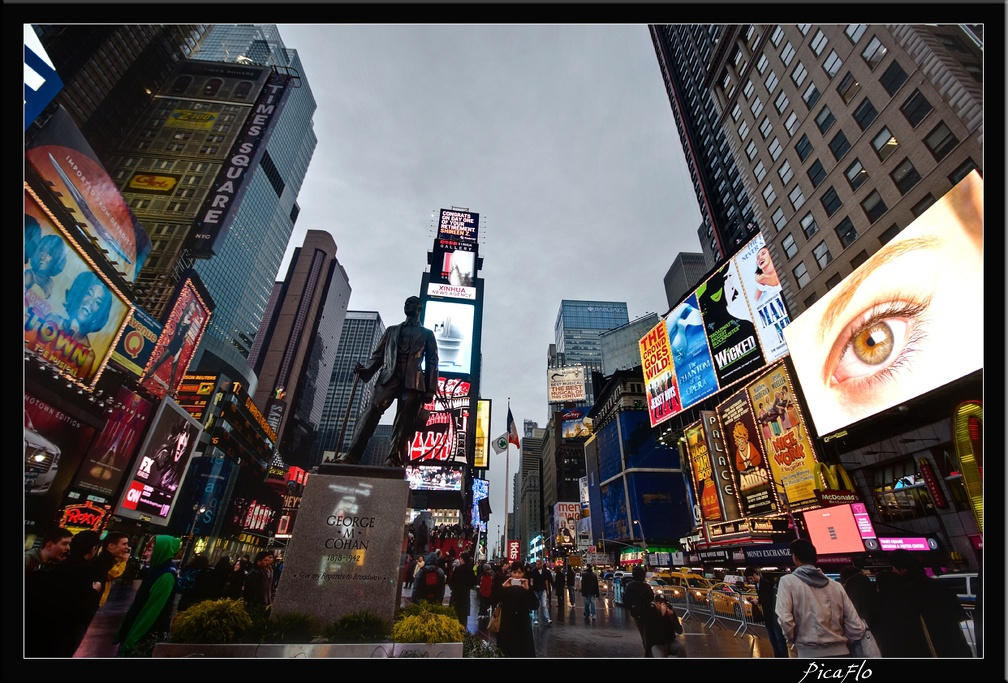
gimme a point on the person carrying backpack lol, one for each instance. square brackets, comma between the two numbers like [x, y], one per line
[430, 582]
[637, 597]
[486, 585]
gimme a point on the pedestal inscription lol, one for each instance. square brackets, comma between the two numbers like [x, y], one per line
[344, 552]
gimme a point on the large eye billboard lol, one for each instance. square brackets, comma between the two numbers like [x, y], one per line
[909, 320]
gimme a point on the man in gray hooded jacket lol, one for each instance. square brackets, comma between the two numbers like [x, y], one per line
[814, 611]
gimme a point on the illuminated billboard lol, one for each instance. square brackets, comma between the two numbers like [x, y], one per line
[910, 319]
[481, 454]
[575, 423]
[442, 438]
[660, 382]
[64, 159]
[452, 325]
[730, 329]
[182, 332]
[565, 519]
[565, 384]
[453, 259]
[480, 491]
[834, 530]
[73, 315]
[434, 478]
[137, 342]
[691, 357]
[750, 470]
[762, 289]
[161, 465]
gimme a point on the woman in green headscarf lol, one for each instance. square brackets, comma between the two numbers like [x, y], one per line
[151, 611]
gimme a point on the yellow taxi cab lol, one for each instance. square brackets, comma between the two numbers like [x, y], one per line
[732, 599]
[683, 584]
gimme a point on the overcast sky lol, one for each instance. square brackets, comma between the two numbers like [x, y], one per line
[560, 137]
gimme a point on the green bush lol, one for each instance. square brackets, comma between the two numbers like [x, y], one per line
[474, 646]
[428, 628]
[290, 627]
[211, 621]
[358, 627]
[424, 608]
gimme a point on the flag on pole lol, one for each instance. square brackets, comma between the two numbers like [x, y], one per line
[500, 444]
[512, 429]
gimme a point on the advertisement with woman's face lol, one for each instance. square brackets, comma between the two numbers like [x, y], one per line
[909, 320]
[763, 292]
[730, 330]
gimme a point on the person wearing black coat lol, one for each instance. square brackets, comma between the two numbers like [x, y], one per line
[637, 597]
[517, 601]
[461, 582]
[766, 595]
[590, 591]
[938, 607]
[560, 586]
[202, 583]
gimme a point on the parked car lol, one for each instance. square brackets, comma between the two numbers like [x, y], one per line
[963, 584]
[41, 460]
[734, 598]
[683, 583]
[660, 587]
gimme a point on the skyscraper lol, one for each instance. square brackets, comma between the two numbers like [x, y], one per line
[841, 135]
[297, 343]
[620, 348]
[576, 333]
[241, 274]
[683, 275]
[361, 332]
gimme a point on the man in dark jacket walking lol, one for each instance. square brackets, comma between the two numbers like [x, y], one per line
[258, 589]
[590, 591]
[637, 597]
[766, 594]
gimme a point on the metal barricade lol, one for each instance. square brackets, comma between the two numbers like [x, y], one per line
[726, 607]
[697, 604]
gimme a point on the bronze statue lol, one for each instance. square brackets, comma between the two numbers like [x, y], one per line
[399, 354]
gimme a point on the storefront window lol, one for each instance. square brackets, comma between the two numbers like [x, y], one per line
[900, 492]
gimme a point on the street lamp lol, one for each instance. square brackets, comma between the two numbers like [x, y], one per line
[643, 540]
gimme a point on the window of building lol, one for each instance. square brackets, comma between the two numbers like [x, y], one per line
[803, 147]
[832, 64]
[916, 108]
[778, 218]
[825, 119]
[833, 280]
[953, 43]
[905, 176]
[775, 149]
[791, 124]
[839, 145]
[781, 103]
[822, 254]
[885, 144]
[848, 87]
[761, 65]
[855, 31]
[873, 206]
[804, 28]
[858, 259]
[811, 95]
[874, 52]
[816, 173]
[941, 141]
[809, 225]
[962, 171]
[846, 232]
[798, 74]
[789, 246]
[900, 493]
[787, 54]
[784, 171]
[888, 234]
[736, 111]
[759, 172]
[893, 78]
[797, 197]
[771, 81]
[801, 274]
[856, 174]
[748, 89]
[819, 42]
[743, 130]
[751, 150]
[974, 70]
[765, 128]
[769, 195]
[922, 206]
[777, 36]
[811, 299]
[831, 201]
[865, 114]
[726, 85]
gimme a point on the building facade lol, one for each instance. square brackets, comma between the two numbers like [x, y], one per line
[576, 333]
[686, 271]
[620, 348]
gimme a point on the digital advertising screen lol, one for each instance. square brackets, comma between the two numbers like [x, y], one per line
[72, 314]
[480, 491]
[575, 423]
[908, 320]
[453, 257]
[160, 466]
[833, 530]
[62, 156]
[434, 478]
[182, 332]
[481, 452]
[452, 325]
[443, 438]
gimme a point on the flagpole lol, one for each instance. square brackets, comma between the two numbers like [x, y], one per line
[507, 481]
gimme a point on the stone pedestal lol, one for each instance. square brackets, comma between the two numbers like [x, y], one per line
[344, 554]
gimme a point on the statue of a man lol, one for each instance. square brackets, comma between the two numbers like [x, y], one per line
[399, 355]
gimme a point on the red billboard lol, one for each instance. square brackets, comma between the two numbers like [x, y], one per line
[659, 374]
[182, 332]
[73, 315]
[442, 439]
[910, 319]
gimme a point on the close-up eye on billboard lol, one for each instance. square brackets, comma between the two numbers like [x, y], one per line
[452, 325]
[910, 319]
